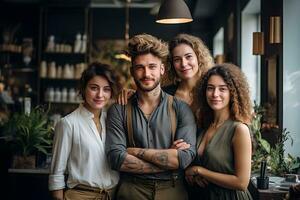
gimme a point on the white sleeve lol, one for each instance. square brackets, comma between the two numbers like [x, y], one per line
[62, 144]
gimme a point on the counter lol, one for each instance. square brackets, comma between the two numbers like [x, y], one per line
[274, 192]
[31, 184]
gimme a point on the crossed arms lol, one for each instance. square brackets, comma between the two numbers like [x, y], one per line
[143, 161]
[149, 160]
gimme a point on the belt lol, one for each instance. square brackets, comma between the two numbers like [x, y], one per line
[151, 182]
[105, 192]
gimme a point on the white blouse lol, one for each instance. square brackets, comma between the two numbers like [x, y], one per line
[79, 151]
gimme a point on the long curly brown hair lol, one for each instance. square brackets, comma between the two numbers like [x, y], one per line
[240, 103]
[205, 60]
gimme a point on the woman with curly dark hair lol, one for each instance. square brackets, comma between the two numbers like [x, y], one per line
[223, 163]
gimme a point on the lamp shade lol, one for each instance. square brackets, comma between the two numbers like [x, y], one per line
[174, 12]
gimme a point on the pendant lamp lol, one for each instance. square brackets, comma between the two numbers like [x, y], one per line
[174, 12]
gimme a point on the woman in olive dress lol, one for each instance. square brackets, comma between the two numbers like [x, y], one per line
[223, 164]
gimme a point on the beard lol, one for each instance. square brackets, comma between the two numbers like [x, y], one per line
[144, 88]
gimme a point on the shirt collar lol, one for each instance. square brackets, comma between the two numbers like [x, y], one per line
[85, 111]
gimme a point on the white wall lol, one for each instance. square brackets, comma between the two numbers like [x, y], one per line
[291, 73]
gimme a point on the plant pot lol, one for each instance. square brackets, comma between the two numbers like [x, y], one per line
[24, 162]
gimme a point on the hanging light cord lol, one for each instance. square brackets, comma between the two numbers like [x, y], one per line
[127, 20]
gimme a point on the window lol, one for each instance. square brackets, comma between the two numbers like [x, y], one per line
[251, 63]
[218, 48]
[291, 73]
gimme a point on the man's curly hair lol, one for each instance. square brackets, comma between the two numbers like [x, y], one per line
[144, 44]
[239, 104]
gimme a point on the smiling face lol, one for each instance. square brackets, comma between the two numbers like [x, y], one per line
[97, 93]
[147, 70]
[185, 61]
[217, 93]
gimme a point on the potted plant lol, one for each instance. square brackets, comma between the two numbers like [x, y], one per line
[279, 163]
[28, 134]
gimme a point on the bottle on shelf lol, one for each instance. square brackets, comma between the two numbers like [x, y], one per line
[52, 70]
[64, 94]
[43, 69]
[72, 95]
[27, 99]
[50, 94]
[59, 72]
[51, 44]
[78, 43]
[84, 44]
[57, 95]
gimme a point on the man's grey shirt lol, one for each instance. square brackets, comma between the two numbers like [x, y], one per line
[154, 133]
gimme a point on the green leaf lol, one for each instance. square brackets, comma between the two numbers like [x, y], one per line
[265, 145]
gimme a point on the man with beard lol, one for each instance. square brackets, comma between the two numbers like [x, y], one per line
[143, 144]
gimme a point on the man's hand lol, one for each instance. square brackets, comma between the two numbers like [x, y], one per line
[133, 151]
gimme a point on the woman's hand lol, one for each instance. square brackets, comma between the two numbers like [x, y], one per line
[190, 180]
[124, 96]
[180, 144]
[192, 176]
[192, 171]
[200, 181]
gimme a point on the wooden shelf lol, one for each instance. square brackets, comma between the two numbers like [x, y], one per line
[63, 103]
[29, 171]
[22, 70]
[58, 79]
[63, 54]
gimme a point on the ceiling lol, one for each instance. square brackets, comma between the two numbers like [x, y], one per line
[206, 8]
[199, 8]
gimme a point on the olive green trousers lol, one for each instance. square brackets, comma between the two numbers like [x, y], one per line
[143, 189]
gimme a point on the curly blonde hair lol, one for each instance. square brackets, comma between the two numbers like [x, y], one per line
[205, 60]
[240, 103]
[144, 44]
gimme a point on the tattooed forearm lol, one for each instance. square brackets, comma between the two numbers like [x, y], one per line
[141, 153]
[138, 166]
[161, 158]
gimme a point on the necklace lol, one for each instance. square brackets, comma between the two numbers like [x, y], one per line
[217, 124]
[147, 115]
